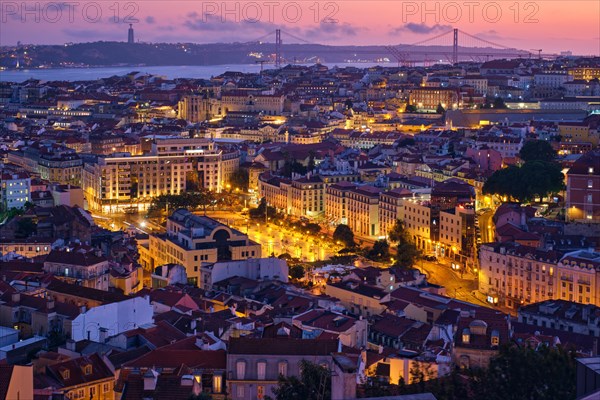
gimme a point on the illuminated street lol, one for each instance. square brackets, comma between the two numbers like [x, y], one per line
[486, 226]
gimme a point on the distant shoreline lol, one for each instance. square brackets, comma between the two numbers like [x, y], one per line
[171, 72]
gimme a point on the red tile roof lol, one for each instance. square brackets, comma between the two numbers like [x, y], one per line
[282, 346]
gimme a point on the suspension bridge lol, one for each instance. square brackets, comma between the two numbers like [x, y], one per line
[452, 46]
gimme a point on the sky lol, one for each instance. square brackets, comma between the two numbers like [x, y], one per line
[551, 25]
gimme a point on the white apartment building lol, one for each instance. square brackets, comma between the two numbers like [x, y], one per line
[551, 80]
[16, 190]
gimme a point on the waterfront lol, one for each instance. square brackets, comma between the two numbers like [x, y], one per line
[170, 72]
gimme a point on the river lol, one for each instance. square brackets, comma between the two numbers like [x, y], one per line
[170, 72]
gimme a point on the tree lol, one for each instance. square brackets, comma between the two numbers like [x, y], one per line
[311, 161]
[499, 103]
[380, 251]
[537, 150]
[240, 179]
[410, 108]
[312, 228]
[25, 228]
[532, 179]
[407, 250]
[440, 109]
[308, 386]
[263, 209]
[292, 166]
[297, 272]
[527, 373]
[344, 234]
[348, 104]
[406, 142]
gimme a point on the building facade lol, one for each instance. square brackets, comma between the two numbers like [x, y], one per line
[192, 240]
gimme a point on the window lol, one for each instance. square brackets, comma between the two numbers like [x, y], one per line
[590, 184]
[466, 336]
[261, 370]
[282, 368]
[217, 383]
[591, 170]
[240, 391]
[87, 369]
[240, 369]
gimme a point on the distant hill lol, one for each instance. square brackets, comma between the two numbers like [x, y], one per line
[121, 53]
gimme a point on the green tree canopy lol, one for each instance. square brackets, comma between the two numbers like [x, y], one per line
[380, 251]
[240, 179]
[25, 228]
[516, 373]
[406, 142]
[344, 234]
[524, 183]
[497, 103]
[407, 250]
[297, 272]
[524, 373]
[262, 209]
[190, 200]
[314, 383]
[537, 150]
[440, 109]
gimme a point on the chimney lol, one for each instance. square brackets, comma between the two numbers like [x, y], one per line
[150, 379]
[103, 335]
[16, 297]
[50, 304]
[187, 380]
[82, 309]
[70, 345]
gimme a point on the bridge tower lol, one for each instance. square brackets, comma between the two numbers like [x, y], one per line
[278, 48]
[455, 47]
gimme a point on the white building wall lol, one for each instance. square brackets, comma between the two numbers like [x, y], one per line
[115, 317]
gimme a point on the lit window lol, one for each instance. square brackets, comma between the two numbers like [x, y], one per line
[466, 336]
[217, 383]
[591, 170]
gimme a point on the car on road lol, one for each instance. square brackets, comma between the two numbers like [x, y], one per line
[431, 258]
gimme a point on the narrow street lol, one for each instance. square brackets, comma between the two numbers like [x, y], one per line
[456, 287]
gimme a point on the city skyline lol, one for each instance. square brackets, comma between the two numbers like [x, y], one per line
[524, 25]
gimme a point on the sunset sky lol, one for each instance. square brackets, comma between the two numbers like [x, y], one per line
[549, 25]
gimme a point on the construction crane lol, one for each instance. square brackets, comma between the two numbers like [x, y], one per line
[539, 51]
